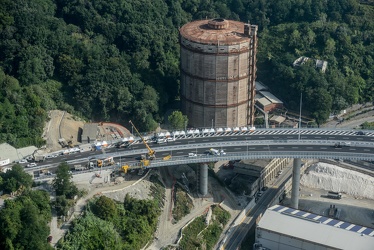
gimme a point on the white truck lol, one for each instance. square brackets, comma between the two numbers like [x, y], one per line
[213, 151]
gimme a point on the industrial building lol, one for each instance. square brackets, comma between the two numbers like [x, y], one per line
[10, 154]
[90, 132]
[218, 71]
[287, 228]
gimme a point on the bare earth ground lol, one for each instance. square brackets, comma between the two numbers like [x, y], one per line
[64, 125]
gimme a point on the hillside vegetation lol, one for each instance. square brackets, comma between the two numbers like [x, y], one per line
[119, 60]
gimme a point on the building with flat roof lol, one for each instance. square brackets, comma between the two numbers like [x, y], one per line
[285, 228]
[267, 101]
[90, 132]
[9, 154]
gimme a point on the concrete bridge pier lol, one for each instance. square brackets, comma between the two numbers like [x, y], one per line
[204, 179]
[295, 183]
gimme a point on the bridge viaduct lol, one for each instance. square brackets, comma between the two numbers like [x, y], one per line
[259, 144]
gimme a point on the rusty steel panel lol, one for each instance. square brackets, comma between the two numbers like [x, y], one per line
[199, 31]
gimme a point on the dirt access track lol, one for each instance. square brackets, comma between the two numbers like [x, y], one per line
[61, 124]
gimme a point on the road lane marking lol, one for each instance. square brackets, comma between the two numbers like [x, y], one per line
[295, 147]
[237, 148]
[352, 149]
[280, 147]
[219, 139]
[206, 140]
[309, 147]
[323, 148]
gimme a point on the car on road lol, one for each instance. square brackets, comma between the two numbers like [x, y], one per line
[222, 152]
[192, 155]
[30, 165]
[264, 188]
[22, 161]
[259, 194]
[360, 133]
[161, 140]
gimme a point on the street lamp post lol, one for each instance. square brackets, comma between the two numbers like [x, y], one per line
[301, 101]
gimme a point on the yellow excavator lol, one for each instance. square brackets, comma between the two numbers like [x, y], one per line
[151, 152]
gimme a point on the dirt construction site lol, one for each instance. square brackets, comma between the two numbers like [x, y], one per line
[62, 125]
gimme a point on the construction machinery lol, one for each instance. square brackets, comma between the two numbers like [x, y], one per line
[105, 162]
[151, 152]
[165, 158]
[125, 168]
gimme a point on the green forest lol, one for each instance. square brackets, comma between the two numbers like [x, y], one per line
[119, 60]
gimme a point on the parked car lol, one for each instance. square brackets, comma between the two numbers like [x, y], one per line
[22, 161]
[30, 165]
[161, 140]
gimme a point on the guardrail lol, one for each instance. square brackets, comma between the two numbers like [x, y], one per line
[242, 155]
[180, 160]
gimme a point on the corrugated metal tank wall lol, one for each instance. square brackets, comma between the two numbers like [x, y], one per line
[214, 74]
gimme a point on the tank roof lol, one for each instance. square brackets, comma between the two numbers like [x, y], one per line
[214, 31]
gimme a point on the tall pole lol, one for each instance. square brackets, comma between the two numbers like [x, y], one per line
[212, 123]
[301, 101]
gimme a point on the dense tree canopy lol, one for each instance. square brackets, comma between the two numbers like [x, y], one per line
[24, 222]
[15, 179]
[111, 225]
[119, 60]
[177, 120]
[63, 183]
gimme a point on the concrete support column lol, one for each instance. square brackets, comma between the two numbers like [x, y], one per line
[204, 179]
[295, 183]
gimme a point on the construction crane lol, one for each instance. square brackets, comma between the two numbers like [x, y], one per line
[151, 152]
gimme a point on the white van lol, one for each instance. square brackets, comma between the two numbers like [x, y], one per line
[160, 140]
